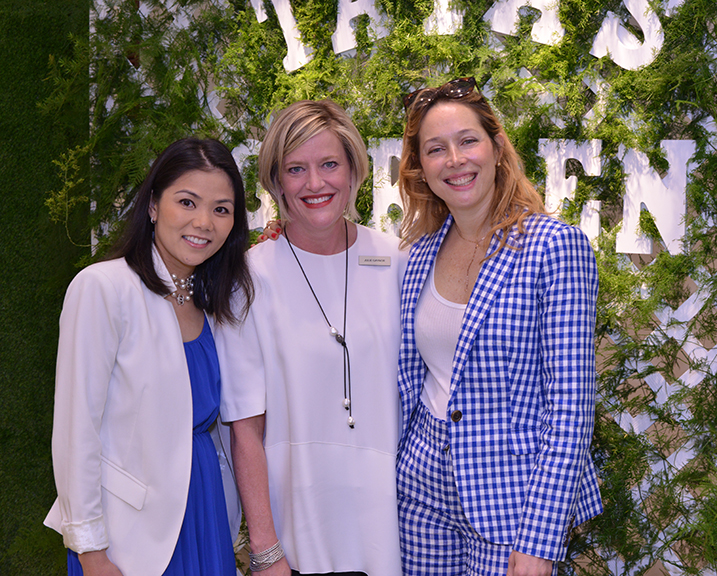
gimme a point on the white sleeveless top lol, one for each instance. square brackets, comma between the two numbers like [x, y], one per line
[438, 325]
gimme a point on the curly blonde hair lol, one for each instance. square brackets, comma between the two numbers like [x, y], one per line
[515, 196]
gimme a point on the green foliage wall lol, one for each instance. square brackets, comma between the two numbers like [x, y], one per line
[154, 82]
[37, 263]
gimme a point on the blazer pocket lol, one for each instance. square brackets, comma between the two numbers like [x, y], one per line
[524, 440]
[122, 484]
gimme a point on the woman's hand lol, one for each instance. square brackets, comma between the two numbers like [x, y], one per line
[96, 563]
[520, 564]
[272, 231]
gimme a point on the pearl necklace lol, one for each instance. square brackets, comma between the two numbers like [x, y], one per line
[186, 284]
[333, 332]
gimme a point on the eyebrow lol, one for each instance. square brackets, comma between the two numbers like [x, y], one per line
[333, 157]
[195, 195]
[461, 132]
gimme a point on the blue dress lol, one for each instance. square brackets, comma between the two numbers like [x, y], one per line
[204, 547]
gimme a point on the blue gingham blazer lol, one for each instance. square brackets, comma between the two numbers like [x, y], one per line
[522, 385]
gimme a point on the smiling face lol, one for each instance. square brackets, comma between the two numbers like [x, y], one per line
[458, 159]
[194, 216]
[315, 180]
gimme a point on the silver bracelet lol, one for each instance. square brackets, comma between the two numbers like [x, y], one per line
[263, 560]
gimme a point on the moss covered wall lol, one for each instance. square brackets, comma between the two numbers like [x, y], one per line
[37, 262]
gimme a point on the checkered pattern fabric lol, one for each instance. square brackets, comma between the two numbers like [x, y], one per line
[523, 382]
[436, 536]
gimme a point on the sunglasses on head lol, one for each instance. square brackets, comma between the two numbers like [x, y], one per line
[455, 89]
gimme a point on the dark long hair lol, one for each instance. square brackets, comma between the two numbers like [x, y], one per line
[226, 272]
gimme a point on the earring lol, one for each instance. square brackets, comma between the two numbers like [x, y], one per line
[153, 220]
[497, 164]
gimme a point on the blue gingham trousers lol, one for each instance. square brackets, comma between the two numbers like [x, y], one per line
[436, 537]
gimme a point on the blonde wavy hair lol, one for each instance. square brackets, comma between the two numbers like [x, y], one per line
[296, 125]
[515, 196]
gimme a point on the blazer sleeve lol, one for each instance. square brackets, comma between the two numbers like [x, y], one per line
[90, 333]
[567, 294]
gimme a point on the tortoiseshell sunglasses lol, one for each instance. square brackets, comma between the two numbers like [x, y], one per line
[455, 89]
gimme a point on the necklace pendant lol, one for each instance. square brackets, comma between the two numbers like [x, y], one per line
[336, 334]
[186, 284]
[333, 332]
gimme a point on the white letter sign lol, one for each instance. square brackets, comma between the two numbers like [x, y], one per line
[624, 48]
[664, 198]
[503, 18]
[384, 193]
[343, 39]
[297, 55]
[558, 187]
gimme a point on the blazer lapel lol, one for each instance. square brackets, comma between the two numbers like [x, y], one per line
[422, 257]
[161, 269]
[489, 283]
[419, 265]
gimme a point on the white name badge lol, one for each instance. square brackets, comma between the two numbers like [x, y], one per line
[374, 260]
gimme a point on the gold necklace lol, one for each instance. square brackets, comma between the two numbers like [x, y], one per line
[476, 242]
[476, 245]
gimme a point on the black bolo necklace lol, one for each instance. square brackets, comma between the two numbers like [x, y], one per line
[333, 331]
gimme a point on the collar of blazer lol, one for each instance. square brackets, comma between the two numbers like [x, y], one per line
[161, 269]
[490, 281]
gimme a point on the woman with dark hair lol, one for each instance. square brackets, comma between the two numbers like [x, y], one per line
[137, 385]
[497, 366]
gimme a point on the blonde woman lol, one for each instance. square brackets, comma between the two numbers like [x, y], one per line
[311, 389]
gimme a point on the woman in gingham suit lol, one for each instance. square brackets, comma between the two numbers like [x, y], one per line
[496, 369]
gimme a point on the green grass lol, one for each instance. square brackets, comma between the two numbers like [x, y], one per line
[36, 263]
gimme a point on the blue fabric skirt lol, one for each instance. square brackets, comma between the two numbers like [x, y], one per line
[204, 547]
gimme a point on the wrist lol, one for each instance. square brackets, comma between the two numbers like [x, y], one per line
[266, 558]
[262, 542]
[93, 558]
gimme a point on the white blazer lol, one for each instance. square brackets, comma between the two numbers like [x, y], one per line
[122, 431]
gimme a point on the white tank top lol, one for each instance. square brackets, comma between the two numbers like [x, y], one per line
[438, 325]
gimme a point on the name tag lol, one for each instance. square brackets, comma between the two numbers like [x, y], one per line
[374, 260]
